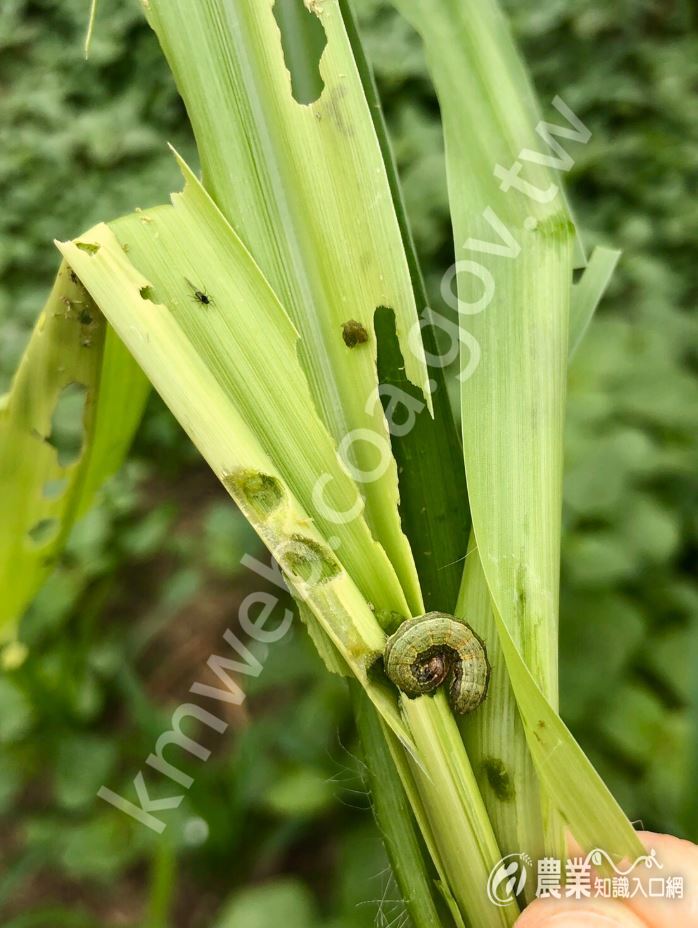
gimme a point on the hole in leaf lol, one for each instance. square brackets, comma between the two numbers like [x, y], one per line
[88, 247]
[67, 426]
[148, 293]
[439, 553]
[43, 531]
[303, 41]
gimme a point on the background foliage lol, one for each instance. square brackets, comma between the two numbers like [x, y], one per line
[152, 577]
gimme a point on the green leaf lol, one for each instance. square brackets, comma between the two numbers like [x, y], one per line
[513, 273]
[266, 446]
[429, 453]
[568, 778]
[331, 250]
[393, 811]
[211, 362]
[494, 735]
[96, 849]
[284, 902]
[65, 426]
[588, 292]
[16, 711]
[514, 257]
[299, 792]
[451, 813]
[83, 764]
[634, 723]
[608, 628]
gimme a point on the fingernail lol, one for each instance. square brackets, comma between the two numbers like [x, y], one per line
[582, 920]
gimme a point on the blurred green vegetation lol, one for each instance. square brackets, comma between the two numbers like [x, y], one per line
[279, 815]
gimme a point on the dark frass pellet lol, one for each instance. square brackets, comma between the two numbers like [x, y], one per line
[353, 333]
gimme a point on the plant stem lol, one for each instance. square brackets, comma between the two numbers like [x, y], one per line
[393, 813]
[162, 882]
[455, 810]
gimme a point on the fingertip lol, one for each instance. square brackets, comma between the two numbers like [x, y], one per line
[565, 914]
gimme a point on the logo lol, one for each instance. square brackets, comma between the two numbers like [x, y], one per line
[597, 875]
[508, 878]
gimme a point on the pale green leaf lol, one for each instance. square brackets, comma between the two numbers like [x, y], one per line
[433, 494]
[513, 280]
[512, 274]
[494, 735]
[572, 785]
[265, 444]
[588, 292]
[90, 28]
[392, 808]
[452, 809]
[513, 239]
[575, 789]
[65, 426]
[305, 187]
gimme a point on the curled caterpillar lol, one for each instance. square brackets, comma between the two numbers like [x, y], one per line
[426, 651]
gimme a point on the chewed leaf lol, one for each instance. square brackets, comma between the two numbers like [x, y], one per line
[244, 338]
[514, 242]
[305, 187]
[65, 426]
[214, 366]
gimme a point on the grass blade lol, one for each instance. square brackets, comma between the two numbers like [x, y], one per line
[588, 292]
[332, 252]
[433, 494]
[569, 779]
[513, 402]
[266, 446]
[393, 813]
[513, 273]
[494, 736]
[74, 369]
